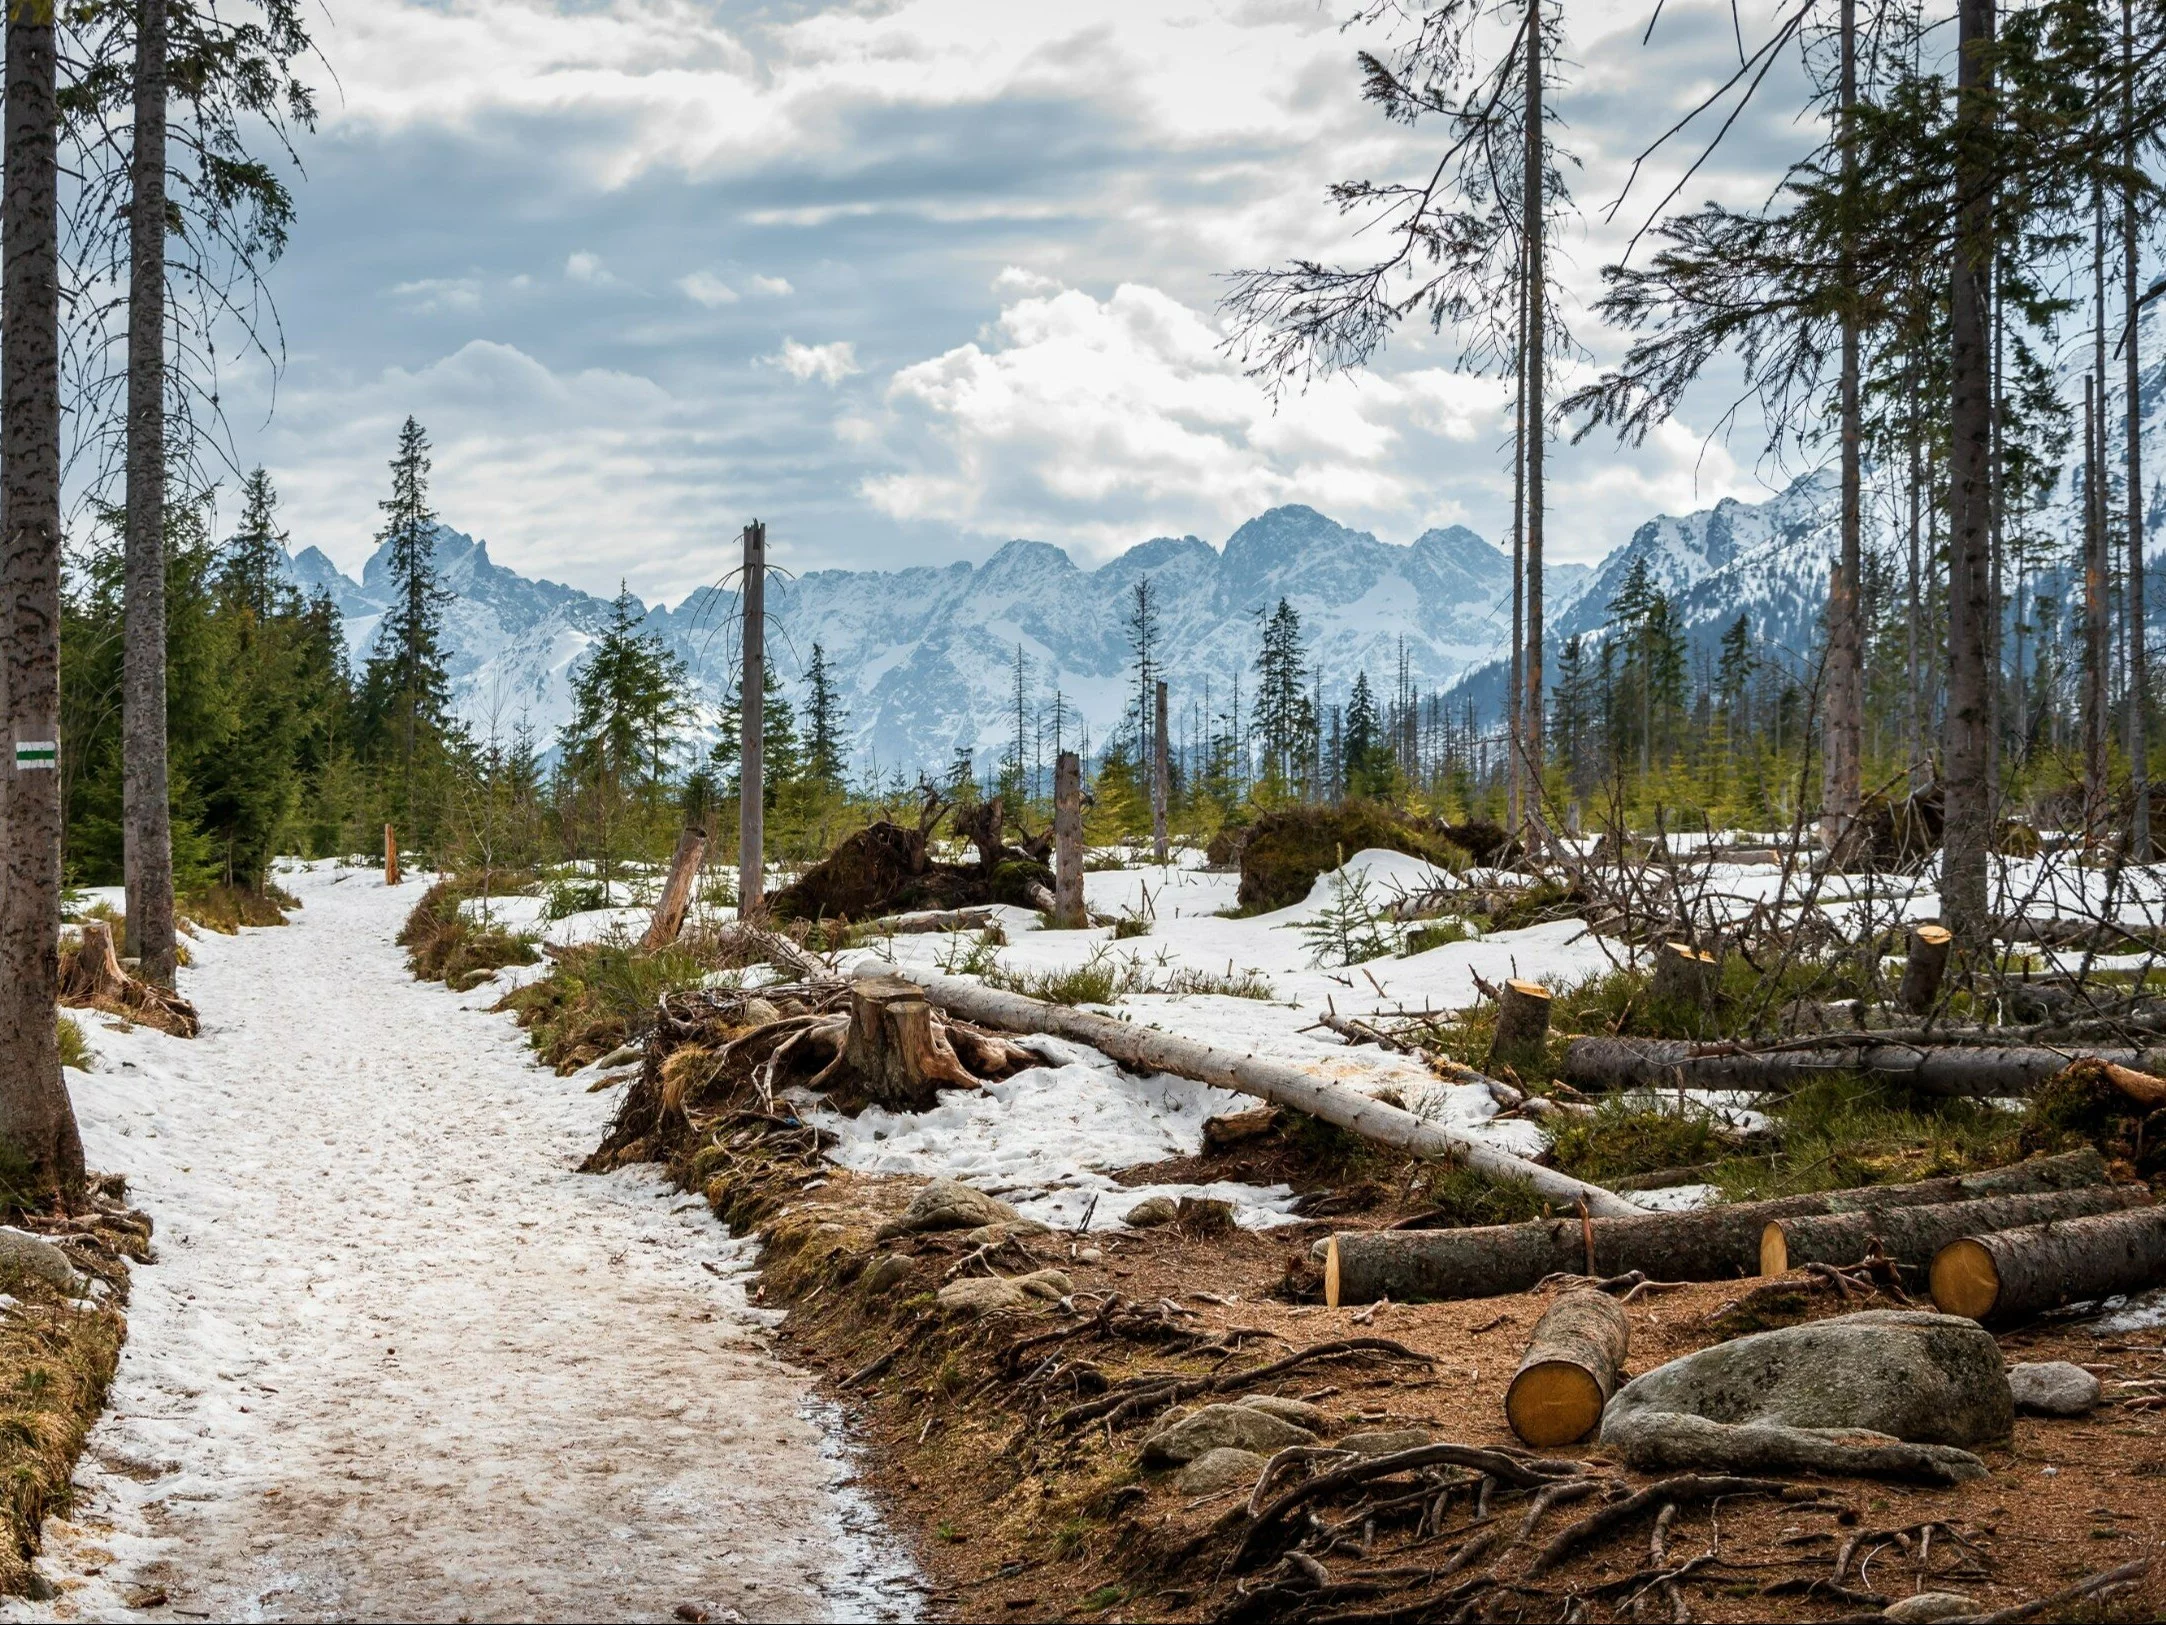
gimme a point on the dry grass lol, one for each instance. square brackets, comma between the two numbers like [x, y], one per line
[443, 945]
[225, 909]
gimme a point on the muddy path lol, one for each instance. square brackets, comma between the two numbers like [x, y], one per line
[397, 1359]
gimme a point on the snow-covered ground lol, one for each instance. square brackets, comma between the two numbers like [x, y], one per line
[397, 1358]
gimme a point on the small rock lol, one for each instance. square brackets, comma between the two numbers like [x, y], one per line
[946, 1204]
[1928, 1607]
[2054, 1388]
[1385, 1441]
[1089, 1255]
[1152, 1210]
[622, 1055]
[759, 1012]
[976, 1296]
[887, 1271]
[37, 1255]
[1225, 1468]
[1299, 1412]
[1223, 1427]
[1048, 1284]
[992, 1235]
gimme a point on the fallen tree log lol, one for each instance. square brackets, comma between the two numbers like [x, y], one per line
[1712, 1244]
[1971, 1070]
[2013, 1273]
[1149, 1049]
[1569, 1370]
[930, 919]
[1911, 1236]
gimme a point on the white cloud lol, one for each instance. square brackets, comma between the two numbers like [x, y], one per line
[830, 363]
[705, 288]
[1013, 279]
[775, 287]
[582, 266]
[429, 295]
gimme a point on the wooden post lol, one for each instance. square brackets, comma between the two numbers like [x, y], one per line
[668, 919]
[751, 701]
[1161, 786]
[1068, 913]
[1922, 972]
[391, 856]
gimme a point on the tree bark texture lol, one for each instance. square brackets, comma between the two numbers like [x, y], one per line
[36, 1117]
[1068, 910]
[900, 1059]
[1973, 1071]
[668, 919]
[391, 855]
[1535, 225]
[2139, 663]
[146, 813]
[1569, 1371]
[751, 703]
[1683, 976]
[1714, 1244]
[1148, 1049]
[1842, 759]
[1967, 842]
[1923, 969]
[2009, 1274]
[1161, 779]
[1911, 1236]
[2097, 810]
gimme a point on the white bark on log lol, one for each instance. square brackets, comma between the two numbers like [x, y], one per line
[668, 919]
[933, 919]
[1135, 1045]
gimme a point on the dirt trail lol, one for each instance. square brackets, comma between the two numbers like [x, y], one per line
[398, 1360]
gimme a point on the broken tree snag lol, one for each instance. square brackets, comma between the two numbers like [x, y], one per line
[1067, 911]
[1966, 1070]
[1569, 1371]
[1148, 1049]
[1712, 1244]
[1161, 784]
[668, 919]
[1522, 1024]
[1922, 971]
[900, 1059]
[1911, 1236]
[92, 976]
[2012, 1273]
[1684, 977]
[391, 856]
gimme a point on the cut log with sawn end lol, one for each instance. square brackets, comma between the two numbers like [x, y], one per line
[1956, 1070]
[2010, 1274]
[1910, 1237]
[1570, 1369]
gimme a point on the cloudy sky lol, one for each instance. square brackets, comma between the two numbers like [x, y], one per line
[904, 279]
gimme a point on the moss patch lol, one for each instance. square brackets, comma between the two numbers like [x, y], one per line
[1286, 850]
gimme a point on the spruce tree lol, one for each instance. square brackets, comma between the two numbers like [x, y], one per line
[826, 757]
[1282, 717]
[408, 693]
[1365, 752]
[252, 574]
[628, 699]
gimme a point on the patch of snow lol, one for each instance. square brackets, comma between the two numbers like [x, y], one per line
[1677, 1198]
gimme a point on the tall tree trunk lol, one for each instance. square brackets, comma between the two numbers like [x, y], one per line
[1515, 797]
[1161, 777]
[751, 715]
[1842, 764]
[36, 1119]
[1534, 228]
[1997, 675]
[146, 813]
[1967, 839]
[2139, 665]
[2095, 611]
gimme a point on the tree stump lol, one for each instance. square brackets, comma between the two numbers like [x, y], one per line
[668, 919]
[94, 975]
[1522, 1032]
[391, 856]
[1068, 911]
[1684, 976]
[1928, 962]
[899, 1058]
[1569, 1371]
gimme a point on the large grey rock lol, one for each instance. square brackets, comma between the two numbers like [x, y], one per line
[992, 1235]
[1049, 1284]
[1929, 1608]
[1152, 1210]
[947, 1204]
[1223, 1427]
[1223, 1469]
[887, 1272]
[37, 1255]
[1893, 1392]
[1297, 1411]
[2054, 1388]
[1385, 1441]
[976, 1296]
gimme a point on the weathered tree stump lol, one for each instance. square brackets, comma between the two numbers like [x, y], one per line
[2013, 1273]
[391, 856]
[668, 919]
[1522, 1025]
[1912, 1236]
[1068, 911]
[1922, 971]
[1684, 976]
[1569, 1371]
[92, 976]
[898, 1057]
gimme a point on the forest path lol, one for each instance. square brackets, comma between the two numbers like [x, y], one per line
[398, 1360]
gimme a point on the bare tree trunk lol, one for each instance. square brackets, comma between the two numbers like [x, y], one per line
[391, 855]
[668, 921]
[1967, 841]
[2095, 612]
[36, 1118]
[2139, 666]
[751, 705]
[1161, 785]
[1534, 227]
[146, 813]
[1068, 911]
[1842, 765]
[1514, 748]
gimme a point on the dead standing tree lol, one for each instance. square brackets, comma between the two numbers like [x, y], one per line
[751, 699]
